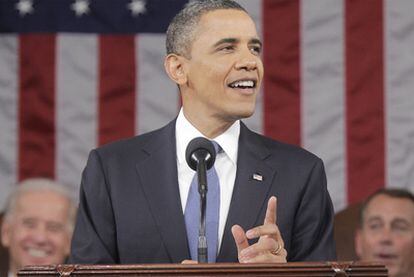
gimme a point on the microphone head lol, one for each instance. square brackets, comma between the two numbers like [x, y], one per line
[200, 149]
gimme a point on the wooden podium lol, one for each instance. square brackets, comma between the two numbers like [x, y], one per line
[331, 269]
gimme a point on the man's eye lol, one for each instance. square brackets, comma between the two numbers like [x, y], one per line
[374, 226]
[55, 227]
[227, 48]
[401, 227]
[256, 50]
[29, 223]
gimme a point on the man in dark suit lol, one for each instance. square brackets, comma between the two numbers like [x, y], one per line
[134, 192]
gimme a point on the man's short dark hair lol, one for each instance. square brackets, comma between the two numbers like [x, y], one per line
[180, 32]
[394, 193]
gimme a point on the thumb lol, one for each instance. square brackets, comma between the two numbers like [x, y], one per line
[189, 262]
[239, 238]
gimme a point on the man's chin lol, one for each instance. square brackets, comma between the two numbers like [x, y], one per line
[391, 266]
[243, 113]
[392, 271]
[248, 114]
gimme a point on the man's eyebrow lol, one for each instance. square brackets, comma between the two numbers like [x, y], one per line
[373, 218]
[235, 40]
[226, 40]
[256, 41]
[401, 220]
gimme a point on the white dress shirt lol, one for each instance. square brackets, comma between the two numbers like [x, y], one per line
[225, 165]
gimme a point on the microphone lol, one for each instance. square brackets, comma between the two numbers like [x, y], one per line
[200, 156]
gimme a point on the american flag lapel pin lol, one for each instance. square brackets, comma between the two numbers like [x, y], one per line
[257, 177]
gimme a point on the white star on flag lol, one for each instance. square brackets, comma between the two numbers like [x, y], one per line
[137, 7]
[24, 7]
[80, 7]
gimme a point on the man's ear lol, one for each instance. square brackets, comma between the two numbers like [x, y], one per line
[358, 242]
[67, 245]
[5, 233]
[175, 66]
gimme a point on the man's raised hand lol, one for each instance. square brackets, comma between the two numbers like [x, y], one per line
[270, 246]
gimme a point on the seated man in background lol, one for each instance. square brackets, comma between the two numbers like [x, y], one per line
[38, 224]
[386, 231]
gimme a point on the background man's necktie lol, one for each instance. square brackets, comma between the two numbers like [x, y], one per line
[192, 213]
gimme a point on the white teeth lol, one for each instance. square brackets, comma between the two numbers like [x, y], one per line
[243, 84]
[37, 253]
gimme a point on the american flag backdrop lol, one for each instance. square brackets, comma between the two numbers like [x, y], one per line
[339, 81]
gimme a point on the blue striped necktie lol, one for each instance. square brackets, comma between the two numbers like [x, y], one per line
[192, 213]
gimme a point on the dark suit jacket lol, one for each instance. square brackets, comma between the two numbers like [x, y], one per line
[130, 209]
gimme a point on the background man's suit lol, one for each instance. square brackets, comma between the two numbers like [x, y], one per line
[130, 210]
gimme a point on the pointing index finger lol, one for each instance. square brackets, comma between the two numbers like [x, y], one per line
[270, 217]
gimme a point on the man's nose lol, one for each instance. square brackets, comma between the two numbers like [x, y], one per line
[386, 236]
[40, 234]
[247, 65]
[247, 61]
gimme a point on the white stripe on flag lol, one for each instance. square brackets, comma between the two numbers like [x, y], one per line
[399, 98]
[157, 96]
[255, 122]
[8, 114]
[322, 79]
[76, 105]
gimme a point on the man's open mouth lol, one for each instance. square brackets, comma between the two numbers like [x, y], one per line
[243, 84]
[37, 253]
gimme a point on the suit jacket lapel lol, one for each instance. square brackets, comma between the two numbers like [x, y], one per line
[158, 177]
[250, 195]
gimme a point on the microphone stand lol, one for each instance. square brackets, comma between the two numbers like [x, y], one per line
[200, 156]
[202, 189]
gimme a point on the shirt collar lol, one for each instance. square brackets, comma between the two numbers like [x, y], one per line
[185, 132]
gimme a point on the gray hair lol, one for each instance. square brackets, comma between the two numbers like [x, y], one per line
[180, 32]
[41, 184]
[391, 192]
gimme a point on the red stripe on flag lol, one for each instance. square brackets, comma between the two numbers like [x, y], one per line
[117, 84]
[36, 106]
[364, 97]
[281, 23]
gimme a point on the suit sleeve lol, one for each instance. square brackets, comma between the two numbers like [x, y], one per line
[94, 237]
[312, 238]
